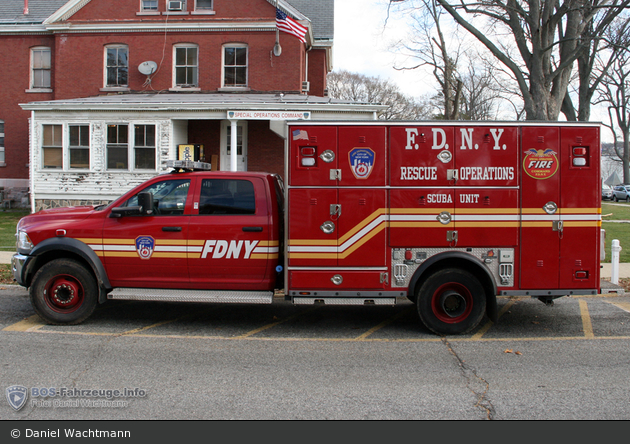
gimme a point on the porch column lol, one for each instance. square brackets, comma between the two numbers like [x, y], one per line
[233, 143]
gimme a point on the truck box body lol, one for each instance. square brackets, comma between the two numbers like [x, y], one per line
[523, 199]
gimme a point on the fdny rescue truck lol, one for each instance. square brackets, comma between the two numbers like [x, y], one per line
[449, 215]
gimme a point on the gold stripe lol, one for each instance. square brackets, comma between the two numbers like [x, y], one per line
[313, 242]
[119, 242]
[420, 225]
[364, 223]
[585, 223]
[313, 255]
[499, 224]
[487, 211]
[362, 241]
[579, 210]
[89, 240]
[193, 242]
[179, 242]
[120, 254]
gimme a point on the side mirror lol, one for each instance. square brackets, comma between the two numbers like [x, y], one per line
[144, 207]
[145, 201]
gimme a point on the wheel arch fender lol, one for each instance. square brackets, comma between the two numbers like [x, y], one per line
[459, 259]
[68, 247]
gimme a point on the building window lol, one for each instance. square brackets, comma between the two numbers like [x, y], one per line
[52, 146]
[40, 68]
[149, 5]
[144, 147]
[235, 66]
[2, 159]
[117, 147]
[186, 66]
[117, 66]
[203, 5]
[79, 146]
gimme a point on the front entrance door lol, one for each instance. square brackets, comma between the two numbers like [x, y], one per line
[241, 145]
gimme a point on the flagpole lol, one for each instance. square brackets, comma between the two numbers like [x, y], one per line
[277, 49]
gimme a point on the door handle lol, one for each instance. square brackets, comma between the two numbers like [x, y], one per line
[252, 229]
[174, 229]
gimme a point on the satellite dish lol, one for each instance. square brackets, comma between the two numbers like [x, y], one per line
[147, 68]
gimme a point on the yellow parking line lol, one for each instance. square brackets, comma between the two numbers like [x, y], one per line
[382, 324]
[273, 324]
[489, 324]
[623, 305]
[587, 326]
[32, 323]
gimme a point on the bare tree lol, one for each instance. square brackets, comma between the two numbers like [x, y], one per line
[615, 91]
[361, 88]
[427, 47]
[545, 39]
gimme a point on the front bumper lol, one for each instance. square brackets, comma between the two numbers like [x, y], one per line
[18, 262]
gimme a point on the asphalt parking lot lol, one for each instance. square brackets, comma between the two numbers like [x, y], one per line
[520, 318]
[280, 362]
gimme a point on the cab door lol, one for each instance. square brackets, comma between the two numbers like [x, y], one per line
[149, 251]
[229, 246]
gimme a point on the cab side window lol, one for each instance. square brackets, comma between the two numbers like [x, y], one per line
[169, 197]
[227, 196]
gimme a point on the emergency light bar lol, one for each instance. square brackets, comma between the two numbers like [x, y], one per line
[188, 165]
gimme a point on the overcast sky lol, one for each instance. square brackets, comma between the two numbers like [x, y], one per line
[362, 45]
[362, 40]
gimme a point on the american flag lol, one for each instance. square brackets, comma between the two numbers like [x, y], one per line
[299, 134]
[287, 24]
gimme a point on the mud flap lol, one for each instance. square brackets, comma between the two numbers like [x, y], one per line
[491, 308]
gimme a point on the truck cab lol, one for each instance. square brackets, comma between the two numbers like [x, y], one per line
[198, 235]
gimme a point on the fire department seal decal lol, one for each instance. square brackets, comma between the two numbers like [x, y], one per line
[144, 246]
[361, 162]
[540, 164]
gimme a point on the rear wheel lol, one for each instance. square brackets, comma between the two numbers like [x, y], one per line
[451, 301]
[614, 198]
[64, 292]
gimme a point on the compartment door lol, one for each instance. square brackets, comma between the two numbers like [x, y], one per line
[540, 192]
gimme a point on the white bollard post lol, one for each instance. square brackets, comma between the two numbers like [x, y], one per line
[614, 261]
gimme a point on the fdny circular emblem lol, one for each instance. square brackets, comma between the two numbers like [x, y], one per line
[361, 162]
[145, 246]
[540, 164]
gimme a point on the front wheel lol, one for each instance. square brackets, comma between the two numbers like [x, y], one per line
[451, 301]
[64, 292]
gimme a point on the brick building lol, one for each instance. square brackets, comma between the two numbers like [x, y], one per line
[100, 93]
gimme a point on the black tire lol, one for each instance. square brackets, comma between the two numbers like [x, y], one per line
[614, 198]
[64, 291]
[628, 198]
[451, 302]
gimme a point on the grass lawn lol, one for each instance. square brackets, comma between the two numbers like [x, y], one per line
[8, 222]
[616, 230]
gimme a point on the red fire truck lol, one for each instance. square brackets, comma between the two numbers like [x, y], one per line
[447, 214]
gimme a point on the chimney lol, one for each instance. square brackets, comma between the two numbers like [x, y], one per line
[25, 7]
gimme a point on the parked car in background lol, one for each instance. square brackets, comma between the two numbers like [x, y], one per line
[621, 192]
[607, 192]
